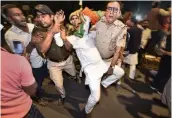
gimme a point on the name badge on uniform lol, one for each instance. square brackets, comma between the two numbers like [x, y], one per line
[58, 40]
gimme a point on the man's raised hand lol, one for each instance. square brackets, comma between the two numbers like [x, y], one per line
[59, 17]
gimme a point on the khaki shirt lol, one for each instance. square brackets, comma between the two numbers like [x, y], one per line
[106, 33]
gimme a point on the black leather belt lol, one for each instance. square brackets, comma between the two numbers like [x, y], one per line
[64, 59]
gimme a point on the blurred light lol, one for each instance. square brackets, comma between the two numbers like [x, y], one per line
[138, 17]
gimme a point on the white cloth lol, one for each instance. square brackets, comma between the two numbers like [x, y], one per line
[86, 24]
[132, 71]
[58, 40]
[146, 35]
[118, 72]
[16, 34]
[131, 59]
[93, 66]
[85, 48]
[95, 71]
[36, 60]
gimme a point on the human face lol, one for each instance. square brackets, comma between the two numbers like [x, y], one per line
[75, 21]
[16, 17]
[112, 12]
[46, 20]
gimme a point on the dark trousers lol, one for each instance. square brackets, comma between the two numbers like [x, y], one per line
[164, 73]
[40, 74]
[34, 113]
[140, 55]
[157, 36]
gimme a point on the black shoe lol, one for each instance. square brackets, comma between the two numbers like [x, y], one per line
[61, 101]
[104, 90]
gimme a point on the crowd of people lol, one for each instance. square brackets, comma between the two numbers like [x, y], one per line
[103, 41]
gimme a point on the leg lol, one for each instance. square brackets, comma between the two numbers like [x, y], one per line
[118, 72]
[132, 71]
[94, 97]
[57, 77]
[37, 72]
[70, 69]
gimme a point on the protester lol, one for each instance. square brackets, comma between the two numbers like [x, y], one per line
[38, 62]
[20, 30]
[133, 47]
[17, 85]
[90, 60]
[146, 35]
[154, 14]
[155, 18]
[164, 70]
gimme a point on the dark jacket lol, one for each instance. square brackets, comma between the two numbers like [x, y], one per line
[135, 39]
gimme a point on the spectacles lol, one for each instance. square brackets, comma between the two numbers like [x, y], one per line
[114, 9]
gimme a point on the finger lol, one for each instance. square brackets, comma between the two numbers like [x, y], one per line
[62, 12]
[57, 13]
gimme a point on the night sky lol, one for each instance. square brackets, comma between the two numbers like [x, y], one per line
[137, 7]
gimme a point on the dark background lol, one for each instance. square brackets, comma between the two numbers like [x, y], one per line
[137, 7]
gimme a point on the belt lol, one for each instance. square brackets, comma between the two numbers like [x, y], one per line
[54, 60]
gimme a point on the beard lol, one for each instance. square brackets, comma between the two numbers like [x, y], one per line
[21, 23]
[45, 25]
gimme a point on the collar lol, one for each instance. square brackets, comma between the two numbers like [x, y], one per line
[19, 31]
[3, 49]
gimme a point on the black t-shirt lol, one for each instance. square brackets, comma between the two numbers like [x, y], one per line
[56, 53]
[135, 39]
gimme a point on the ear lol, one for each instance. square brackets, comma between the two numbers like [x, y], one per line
[9, 20]
[119, 14]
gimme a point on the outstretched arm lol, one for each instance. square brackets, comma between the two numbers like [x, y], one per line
[45, 44]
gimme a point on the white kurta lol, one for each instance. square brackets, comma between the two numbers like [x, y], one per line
[92, 65]
[89, 56]
[131, 59]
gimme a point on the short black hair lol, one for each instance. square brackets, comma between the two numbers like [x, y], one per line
[155, 4]
[115, 1]
[134, 20]
[5, 9]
